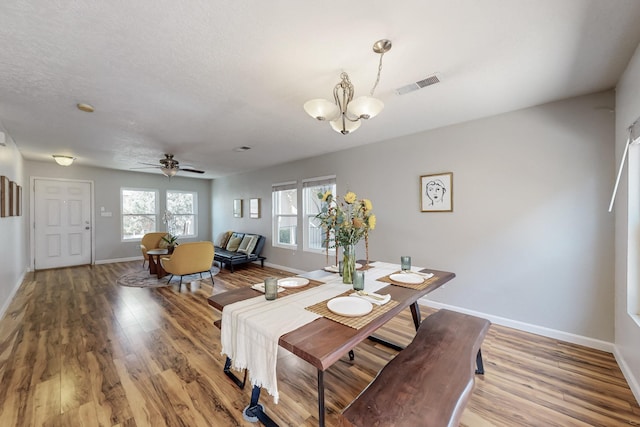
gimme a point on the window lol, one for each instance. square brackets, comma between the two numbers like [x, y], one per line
[139, 212]
[181, 215]
[285, 214]
[314, 236]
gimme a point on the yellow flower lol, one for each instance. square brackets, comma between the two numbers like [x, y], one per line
[326, 195]
[367, 204]
[350, 197]
[372, 222]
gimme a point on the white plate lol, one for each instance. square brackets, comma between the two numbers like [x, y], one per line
[293, 282]
[334, 268]
[349, 307]
[409, 278]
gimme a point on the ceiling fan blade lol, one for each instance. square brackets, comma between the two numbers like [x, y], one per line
[149, 164]
[146, 167]
[191, 170]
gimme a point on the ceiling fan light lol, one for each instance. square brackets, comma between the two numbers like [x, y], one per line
[169, 172]
[63, 160]
[344, 127]
[321, 109]
[365, 107]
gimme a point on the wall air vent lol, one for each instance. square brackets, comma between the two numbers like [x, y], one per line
[428, 81]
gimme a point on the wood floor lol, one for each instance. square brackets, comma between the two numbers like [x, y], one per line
[78, 350]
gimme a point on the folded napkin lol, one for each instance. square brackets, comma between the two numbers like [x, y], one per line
[373, 298]
[260, 287]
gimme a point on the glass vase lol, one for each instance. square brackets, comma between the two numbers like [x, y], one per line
[348, 263]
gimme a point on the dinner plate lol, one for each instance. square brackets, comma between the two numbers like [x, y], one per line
[409, 278]
[293, 282]
[349, 307]
[334, 268]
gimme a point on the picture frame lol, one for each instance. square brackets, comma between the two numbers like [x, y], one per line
[18, 200]
[13, 193]
[254, 208]
[436, 192]
[4, 196]
[237, 208]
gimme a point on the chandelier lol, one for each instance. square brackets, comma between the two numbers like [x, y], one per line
[345, 113]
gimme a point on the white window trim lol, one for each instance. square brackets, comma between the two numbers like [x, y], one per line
[194, 214]
[288, 185]
[309, 182]
[122, 214]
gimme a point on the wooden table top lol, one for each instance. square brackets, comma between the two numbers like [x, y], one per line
[323, 341]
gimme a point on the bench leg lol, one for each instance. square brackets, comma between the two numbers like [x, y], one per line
[479, 364]
[352, 355]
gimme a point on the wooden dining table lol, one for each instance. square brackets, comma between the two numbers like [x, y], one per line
[323, 342]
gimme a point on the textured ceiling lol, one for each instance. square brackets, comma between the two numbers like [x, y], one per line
[199, 78]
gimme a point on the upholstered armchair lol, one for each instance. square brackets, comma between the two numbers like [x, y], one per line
[189, 258]
[149, 242]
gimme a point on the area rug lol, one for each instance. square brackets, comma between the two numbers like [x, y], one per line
[142, 279]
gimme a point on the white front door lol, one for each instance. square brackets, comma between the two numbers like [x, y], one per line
[62, 226]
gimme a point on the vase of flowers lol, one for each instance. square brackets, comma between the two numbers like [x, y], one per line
[345, 222]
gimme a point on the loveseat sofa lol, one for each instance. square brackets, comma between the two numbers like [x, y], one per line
[234, 248]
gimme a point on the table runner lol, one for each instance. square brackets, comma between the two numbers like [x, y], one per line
[251, 330]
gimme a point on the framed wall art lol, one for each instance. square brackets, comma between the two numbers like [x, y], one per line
[4, 196]
[237, 208]
[13, 189]
[18, 200]
[254, 208]
[436, 192]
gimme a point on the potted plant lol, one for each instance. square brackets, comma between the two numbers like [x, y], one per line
[171, 241]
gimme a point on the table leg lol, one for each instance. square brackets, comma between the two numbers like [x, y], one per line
[320, 398]
[255, 411]
[159, 270]
[415, 313]
[152, 265]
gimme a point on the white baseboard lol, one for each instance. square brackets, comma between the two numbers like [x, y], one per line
[285, 268]
[5, 306]
[628, 374]
[527, 327]
[111, 261]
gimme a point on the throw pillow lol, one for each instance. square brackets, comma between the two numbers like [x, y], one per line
[234, 244]
[252, 245]
[245, 242]
[224, 239]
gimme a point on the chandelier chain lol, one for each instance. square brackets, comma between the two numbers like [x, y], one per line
[378, 77]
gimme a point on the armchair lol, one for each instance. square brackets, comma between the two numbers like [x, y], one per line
[189, 258]
[150, 241]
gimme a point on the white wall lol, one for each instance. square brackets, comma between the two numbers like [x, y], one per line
[13, 250]
[107, 184]
[529, 239]
[627, 216]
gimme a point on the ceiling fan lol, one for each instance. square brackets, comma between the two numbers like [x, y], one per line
[170, 166]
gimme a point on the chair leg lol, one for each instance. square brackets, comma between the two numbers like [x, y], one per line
[168, 281]
[180, 281]
[211, 276]
[143, 261]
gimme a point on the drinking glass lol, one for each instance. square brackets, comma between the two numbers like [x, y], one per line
[405, 263]
[358, 280]
[270, 288]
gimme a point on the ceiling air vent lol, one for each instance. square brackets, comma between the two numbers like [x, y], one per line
[428, 81]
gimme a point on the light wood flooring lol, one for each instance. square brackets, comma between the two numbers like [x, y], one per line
[78, 350]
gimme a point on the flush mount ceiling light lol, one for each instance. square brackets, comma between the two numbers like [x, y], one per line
[345, 113]
[87, 108]
[63, 160]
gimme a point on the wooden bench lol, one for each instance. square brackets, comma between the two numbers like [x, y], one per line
[429, 382]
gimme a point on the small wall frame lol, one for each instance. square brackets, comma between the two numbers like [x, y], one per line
[237, 208]
[254, 208]
[5, 184]
[436, 192]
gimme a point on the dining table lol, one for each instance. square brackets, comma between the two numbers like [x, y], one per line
[323, 341]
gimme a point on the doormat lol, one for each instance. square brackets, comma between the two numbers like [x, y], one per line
[142, 279]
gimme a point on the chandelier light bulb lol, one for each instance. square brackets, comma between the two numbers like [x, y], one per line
[345, 126]
[321, 109]
[365, 107]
